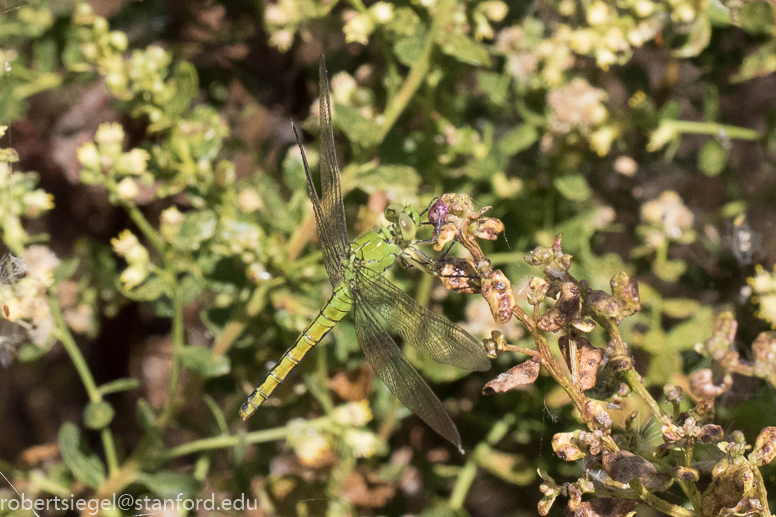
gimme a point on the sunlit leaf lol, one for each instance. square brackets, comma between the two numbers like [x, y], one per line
[573, 187]
[82, 462]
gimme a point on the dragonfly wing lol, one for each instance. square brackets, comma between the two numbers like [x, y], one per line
[331, 200]
[397, 373]
[329, 209]
[330, 247]
[426, 331]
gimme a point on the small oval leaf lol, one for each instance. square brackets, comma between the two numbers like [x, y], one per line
[82, 462]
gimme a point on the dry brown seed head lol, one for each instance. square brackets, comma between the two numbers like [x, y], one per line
[702, 384]
[497, 291]
[568, 447]
[764, 447]
[711, 432]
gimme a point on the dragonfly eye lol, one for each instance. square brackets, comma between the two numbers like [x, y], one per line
[407, 226]
[392, 212]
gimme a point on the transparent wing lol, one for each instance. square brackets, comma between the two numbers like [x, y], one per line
[328, 208]
[397, 373]
[430, 333]
[329, 246]
[331, 199]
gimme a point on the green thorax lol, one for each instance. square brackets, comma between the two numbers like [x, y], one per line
[376, 250]
[379, 249]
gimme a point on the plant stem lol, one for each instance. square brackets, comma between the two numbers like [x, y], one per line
[237, 324]
[95, 396]
[658, 504]
[631, 376]
[469, 470]
[713, 128]
[762, 493]
[177, 354]
[74, 352]
[419, 69]
[633, 379]
[359, 6]
[148, 231]
[224, 441]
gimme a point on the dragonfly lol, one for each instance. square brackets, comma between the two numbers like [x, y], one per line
[356, 270]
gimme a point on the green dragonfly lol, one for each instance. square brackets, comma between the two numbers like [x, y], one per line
[356, 270]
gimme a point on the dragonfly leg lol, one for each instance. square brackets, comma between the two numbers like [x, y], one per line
[445, 252]
[413, 257]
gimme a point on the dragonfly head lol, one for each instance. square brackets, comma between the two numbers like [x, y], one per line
[405, 218]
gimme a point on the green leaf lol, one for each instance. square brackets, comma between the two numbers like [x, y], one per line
[712, 158]
[518, 139]
[733, 209]
[66, 268]
[409, 50]
[199, 359]
[168, 484]
[757, 17]
[512, 468]
[274, 204]
[145, 416]
[187, 87]
[98, 415]
[700, 36]
[670, 270]
[662, 367]
[359, 130]
[759, 63]
[680, 308]
[196, 228]
[495, 86]
[82, 462]
[293, 168]
[694, 330]
[189, 288]
[573, 187]
[30, 352]
[463, 48]
[400, 181]
[119, 385]
[152, 289]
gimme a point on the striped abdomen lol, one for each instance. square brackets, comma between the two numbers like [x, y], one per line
[335, 309]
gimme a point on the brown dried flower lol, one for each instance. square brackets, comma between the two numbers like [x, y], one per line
[566, 309]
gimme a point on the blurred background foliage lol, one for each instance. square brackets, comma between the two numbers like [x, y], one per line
[169, 246]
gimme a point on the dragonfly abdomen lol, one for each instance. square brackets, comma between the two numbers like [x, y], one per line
[336, 308]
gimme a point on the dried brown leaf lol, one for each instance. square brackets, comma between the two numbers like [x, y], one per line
[520, 375]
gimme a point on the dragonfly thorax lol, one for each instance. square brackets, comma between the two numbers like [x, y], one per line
[375, 250]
